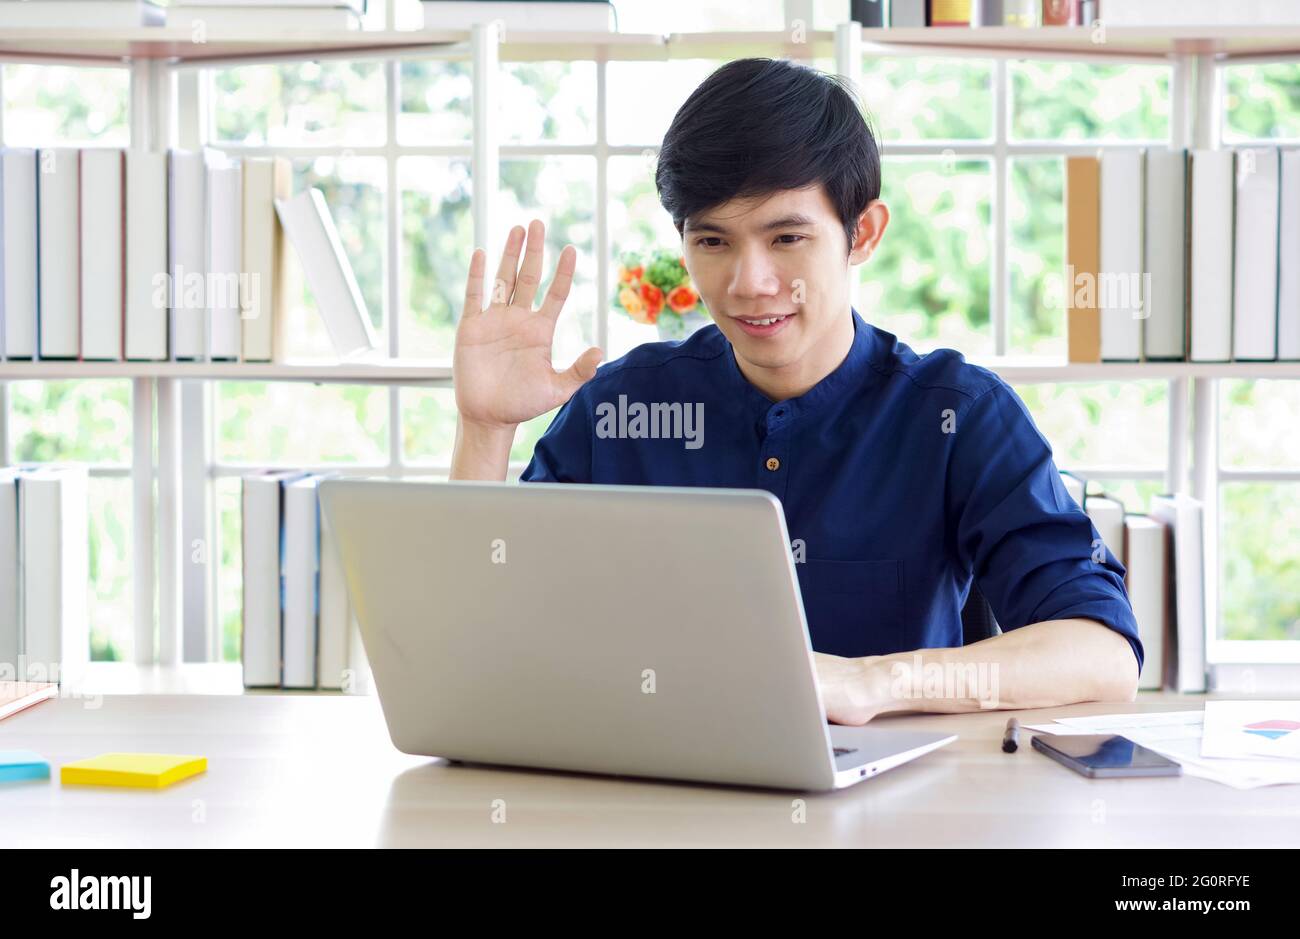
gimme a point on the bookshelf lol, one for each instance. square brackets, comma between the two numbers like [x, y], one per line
[399, 371]
[1014, 369]
[175, 44]
[175, 604]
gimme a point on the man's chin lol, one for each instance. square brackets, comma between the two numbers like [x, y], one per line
[764, 354]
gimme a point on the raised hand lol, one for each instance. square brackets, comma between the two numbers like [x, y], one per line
[502, 362]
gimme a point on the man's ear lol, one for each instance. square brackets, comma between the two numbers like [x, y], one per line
[871, 228]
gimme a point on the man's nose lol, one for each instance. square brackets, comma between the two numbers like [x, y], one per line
[754, 275]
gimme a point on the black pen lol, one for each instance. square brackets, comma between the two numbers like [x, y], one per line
[1011, 739]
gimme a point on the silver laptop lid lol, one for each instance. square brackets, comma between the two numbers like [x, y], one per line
[648, 631]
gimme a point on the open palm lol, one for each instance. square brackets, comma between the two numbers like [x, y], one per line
[502, 367]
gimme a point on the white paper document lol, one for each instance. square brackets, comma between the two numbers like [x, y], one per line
[1178, 736]
[1252, 729]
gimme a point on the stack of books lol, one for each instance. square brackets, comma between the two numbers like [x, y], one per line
[1183, 256]
[122, 254]
[1164, 558]
[44, 569]
[299, 628]
[919, 13]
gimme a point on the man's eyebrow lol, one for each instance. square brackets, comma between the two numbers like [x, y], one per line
[785, 221]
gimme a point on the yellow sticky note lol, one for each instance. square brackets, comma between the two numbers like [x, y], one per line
[137, 770]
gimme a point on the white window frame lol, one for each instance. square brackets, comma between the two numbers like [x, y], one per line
[167, 98]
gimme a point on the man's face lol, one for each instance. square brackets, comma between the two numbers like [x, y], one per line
[780, 257]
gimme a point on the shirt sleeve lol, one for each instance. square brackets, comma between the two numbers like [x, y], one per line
[563, 453]
[1028, 544]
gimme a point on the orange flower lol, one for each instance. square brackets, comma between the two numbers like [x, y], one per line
[629, 275]
[636, 309]
[682, 299]
[653, 297]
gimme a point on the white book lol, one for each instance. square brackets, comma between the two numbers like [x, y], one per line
[11, 612]
[55, 562]
[263, 18]
[1254, 322]
[187, 253]
[593, 17]
[1119, 291]
[1214, 211]
[225, 261]
[18, 238]
[148, 297]
[300, 574]
[1183, 516]
[335, 618]
[261, 509]
[1288, 250]
[1075, 486]
[906, 13]
[16, 696]
[1147, 582]
[58, 184]
[1165, 253]
[309, 227]
[86, 14]
[1107, 516]
[102, 283]
[265, 180]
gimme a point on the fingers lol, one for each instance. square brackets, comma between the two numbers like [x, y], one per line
[530, 275]
[474, 284]
[581, 371]
[553, 302]
[504, 285]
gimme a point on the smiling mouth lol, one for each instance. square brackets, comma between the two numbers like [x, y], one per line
[762, 320]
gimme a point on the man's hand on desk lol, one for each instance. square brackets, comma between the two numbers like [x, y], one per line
[1045, 664]
[851, 688]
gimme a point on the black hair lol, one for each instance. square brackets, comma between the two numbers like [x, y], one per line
[759, 125]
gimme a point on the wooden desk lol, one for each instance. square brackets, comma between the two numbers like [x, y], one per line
[311, 770]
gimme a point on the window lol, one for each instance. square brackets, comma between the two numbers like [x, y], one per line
[1259, 510]
[973, 153]
[63, 105]
[88, 421]
[1258, 468]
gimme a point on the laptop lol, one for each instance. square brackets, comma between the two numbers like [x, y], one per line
[643, 631]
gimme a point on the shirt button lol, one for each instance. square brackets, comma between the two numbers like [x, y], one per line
[773, 463]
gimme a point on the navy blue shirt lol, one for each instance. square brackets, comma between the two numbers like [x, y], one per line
[902, 476]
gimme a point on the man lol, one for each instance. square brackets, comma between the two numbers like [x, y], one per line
[902, 477]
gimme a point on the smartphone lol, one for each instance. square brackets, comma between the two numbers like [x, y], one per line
[1103, 756]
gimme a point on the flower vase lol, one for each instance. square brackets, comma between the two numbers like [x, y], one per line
[675, 326]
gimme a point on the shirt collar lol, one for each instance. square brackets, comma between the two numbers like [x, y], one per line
[845, 377]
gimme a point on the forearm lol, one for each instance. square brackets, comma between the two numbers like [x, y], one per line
[481, 453]
[1043, 664]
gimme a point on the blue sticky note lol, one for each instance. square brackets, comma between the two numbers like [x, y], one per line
[22, 764]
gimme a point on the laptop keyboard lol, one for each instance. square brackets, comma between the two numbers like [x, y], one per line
[840, 751]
